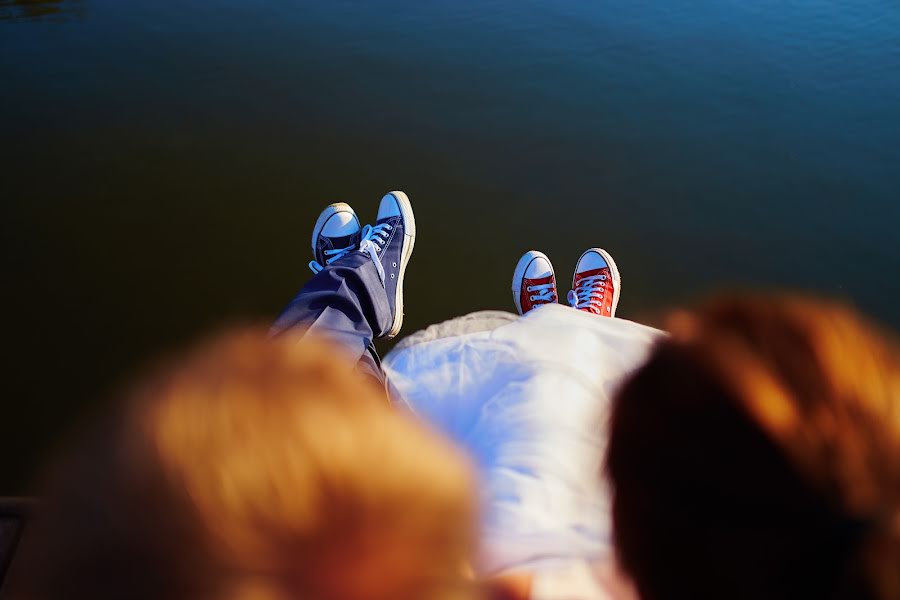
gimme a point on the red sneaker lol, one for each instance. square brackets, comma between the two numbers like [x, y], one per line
[534, 282]
[596, 285]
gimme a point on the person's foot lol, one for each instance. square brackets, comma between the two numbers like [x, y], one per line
[596, 284]
[336, 233]
[534, 282]
[390, 244]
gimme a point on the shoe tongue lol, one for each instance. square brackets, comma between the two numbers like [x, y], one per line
[591, 273]
[539, 280]
[344, 240]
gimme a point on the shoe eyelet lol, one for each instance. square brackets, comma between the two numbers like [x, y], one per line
[392, 275]
[395, 265]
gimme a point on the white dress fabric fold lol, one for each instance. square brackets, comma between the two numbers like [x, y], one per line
[528, 398]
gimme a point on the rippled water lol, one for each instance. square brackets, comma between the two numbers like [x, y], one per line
[162, 163]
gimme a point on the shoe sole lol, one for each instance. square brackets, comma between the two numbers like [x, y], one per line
[327, 213]
[519, 274]
[613, 269]
[409, 232]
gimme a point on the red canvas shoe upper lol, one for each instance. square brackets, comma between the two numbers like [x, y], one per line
[594, 291]
[538, 291]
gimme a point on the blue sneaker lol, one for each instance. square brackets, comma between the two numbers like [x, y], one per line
[390, 244]
[336, 233]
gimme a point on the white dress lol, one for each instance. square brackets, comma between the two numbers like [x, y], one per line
[528, 397]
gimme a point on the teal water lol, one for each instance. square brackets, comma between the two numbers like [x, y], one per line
[162, 163]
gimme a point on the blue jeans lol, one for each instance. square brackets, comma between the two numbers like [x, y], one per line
[347, 304]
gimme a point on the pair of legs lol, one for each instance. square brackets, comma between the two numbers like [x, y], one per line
[356, 295]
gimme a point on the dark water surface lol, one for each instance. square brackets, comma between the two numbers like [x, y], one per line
[162, 163]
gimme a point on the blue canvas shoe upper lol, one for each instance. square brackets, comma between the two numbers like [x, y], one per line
[390, 243]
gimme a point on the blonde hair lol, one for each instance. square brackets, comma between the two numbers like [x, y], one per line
[757, 455]
[257, 469]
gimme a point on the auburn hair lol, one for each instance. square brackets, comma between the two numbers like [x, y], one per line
[255, 469]
[757, 455]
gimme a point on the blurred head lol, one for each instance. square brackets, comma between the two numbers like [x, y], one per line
[255, 469]
[757, 455]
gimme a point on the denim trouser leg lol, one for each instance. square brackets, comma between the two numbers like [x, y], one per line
[346, 303]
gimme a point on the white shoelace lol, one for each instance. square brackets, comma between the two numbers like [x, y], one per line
[373, 240]
[545, 292]
[335, 254]
[589, 292]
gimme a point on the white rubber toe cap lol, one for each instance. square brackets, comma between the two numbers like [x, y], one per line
[389, 207]
[340, 224]
[538, 267]
[591, 260]
[532, 265]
